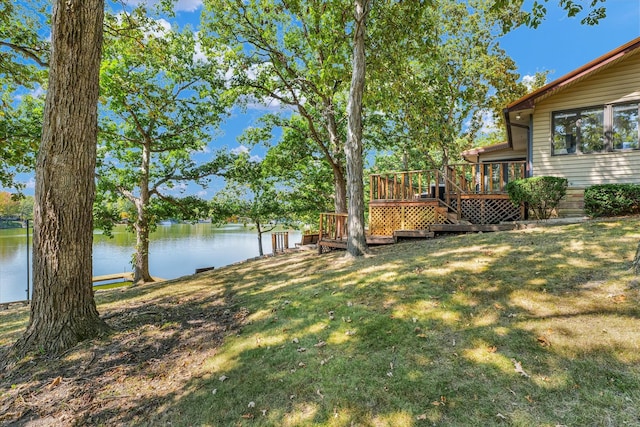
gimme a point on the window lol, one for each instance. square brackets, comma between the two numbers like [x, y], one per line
[625, 126]
[596, 129]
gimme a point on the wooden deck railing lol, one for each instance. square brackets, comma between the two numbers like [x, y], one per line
[466, 178]
[333, 226]
[486, 178]
[405, 185]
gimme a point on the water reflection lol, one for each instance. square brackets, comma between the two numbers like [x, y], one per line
[175, 250]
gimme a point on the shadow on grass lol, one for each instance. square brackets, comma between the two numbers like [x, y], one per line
[536, 327]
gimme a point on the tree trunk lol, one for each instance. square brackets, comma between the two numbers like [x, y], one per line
[63, 311]
[141, 257]
[260, 250]
[340, 189]
[356, 242]
[636, 261]
[339, 181]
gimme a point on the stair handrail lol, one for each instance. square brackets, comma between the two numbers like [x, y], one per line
[450, 183]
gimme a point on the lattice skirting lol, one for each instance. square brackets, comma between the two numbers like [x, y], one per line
[488, 211]
[384, 220]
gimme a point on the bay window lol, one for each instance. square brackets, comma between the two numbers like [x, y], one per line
[595, 129]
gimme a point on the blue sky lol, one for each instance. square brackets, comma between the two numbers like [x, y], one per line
[559, 45]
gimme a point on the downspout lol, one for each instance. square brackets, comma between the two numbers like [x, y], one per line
[529, 171]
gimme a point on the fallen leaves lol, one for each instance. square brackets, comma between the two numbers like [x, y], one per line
[518, 368]
[56, 382]
[618, 299]
[543, 341]
[441, 402]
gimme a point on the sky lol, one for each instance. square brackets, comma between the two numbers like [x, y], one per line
[559, 45]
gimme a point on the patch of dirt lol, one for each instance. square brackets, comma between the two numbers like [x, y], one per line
[157, 350]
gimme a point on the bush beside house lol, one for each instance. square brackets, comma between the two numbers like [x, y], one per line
[540, 194]
[612, 200]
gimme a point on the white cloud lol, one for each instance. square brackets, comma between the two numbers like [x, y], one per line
[199, 55]
[37, 91]
[488, 122]
[528, 81]
[244, 150]
[181, 5]
[162, 28]
[188, 5]
[240, 150]
[31, 183]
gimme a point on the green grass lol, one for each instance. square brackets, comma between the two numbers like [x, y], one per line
[419, 333]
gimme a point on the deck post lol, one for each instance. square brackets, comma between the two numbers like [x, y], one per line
[320, 233]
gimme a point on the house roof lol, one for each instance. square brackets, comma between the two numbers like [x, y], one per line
[578, 74]
[487, 149]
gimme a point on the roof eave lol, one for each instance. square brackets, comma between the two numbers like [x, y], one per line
[528, 101]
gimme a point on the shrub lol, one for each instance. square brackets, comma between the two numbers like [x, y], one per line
[612, 200]
[541, 194]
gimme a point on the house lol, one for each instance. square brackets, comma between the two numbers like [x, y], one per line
[583, 127]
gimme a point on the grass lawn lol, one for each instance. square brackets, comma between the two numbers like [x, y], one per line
[538, 327]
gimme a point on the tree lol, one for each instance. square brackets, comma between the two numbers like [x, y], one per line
[448, 82]
[63, 310]
[295, 163]
[12, 206]
[357, 242]
[293, 53]
[161, 103]
[253, 194]
[24, 57]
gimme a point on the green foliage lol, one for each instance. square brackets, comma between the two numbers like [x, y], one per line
[295, 54]
[432, 93]
[161, 104]
[541, 194]
[612, 200]
[23, 70]
[533, 18]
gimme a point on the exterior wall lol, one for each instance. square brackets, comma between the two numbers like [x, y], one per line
[572, 204]
[618, 83]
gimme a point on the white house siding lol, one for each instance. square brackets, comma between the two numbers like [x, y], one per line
[619, 83]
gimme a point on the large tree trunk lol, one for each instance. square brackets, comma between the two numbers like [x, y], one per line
[636, 261]
[63, 311]
[356, 243]
[141, 257]
[340, 191]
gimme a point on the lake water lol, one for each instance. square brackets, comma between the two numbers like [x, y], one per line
[175, 250]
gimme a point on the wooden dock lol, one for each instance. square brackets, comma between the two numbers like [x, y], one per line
[108, 277]
[126, 277]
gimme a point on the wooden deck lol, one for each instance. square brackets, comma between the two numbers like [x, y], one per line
[420, 204]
